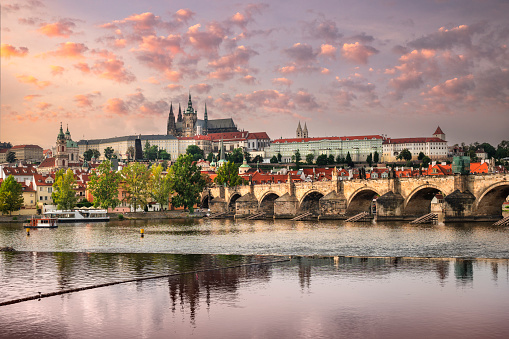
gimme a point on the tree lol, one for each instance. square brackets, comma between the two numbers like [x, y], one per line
[404, 155]
[237, 156]
[421, 156]
[348, 160]
[340, 160]
[91, 153]
[279, 157]
[330, 160]
[195, 151]
[489, 149]
[159, 186]
[321, 160]
[309, 158]
[152, 152]
[64, 195]
[273, 160]
[103, 185]
[229, 174]
[369, 159]
[247, 156]
[146, 149]
[376, 157]
[210, 157]
[186, 181]
[135, 177]
[108, 152]
[426, 161]
[11, 195]
[258, 158]
[11, 157]
[130, 152]
[298, 157]
[163, 155]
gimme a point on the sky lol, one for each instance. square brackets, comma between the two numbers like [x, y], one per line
[343, 67]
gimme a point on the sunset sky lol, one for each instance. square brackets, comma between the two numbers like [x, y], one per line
[344, 67]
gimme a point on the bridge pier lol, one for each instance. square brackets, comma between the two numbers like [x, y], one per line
[390, 206]
[459, 206]
[333, 206]
[246, 206]
[286, 206]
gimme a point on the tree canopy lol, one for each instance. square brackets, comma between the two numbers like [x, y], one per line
[228, 174]
[135, 180]
[91, 153]
[186, 181]
[321, 160]
[11, 157]
[159, 186]
[309, 158]
[348, 159]
[104, 184]
[405, 155]
[376, 157]
[236, 156]
[195, 151]
[11, 195]
[108, 152]
[64, 194]
[273, 160]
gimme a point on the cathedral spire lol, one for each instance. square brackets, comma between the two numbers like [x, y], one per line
[299, 131]
[189, 103]
[305, 131]
[179, 119]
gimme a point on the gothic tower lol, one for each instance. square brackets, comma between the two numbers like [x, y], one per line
[179, 118]
[189, 120]
[299, 131]
[205, 122]
[61, 158]
[171, 128]
[305, 131]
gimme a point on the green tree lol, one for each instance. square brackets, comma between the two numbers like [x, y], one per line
[210, 157]
[163, 155]
[298, 157]
[348, 160]
[279, 157]
[489, 149]
[369, 159]
[130, 152]
[159, 185]
[321, 160]
[64, 195]
[152, 153]
[404, 155]
[134, 181]
[421, 156]
[330, 160]
[340, 159]
[247, 156]
[229, 174]
[11, 157]
[91, 153]
[237, 156]
[186, 181]
[309, 158]
[195, 151]
[108, 152]
[426, 161]
[146, 149]
[273, 160]
[376, 157]
[258, 158]
[103, 185]
[11, 195]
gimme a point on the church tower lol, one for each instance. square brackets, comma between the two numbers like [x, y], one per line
[179, 118]
[171, 128]
[305, 131]
[299, 131]
[189, 120]
[61, 158]
[439, 134]
[205, 122]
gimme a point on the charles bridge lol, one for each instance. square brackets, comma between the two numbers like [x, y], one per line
[467, 197]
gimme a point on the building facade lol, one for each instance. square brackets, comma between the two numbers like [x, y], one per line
[27, 152]
[434, 147]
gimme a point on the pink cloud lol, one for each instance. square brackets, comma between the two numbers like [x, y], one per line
[301, 53]
[43, 105]
[30, 97]
[60, 29]
[201, 88]
[56, 70]
[157, 108]
[8, 51]
[323, 30]
[172, 75]
[305, 100]
[282, 81]
[448, 38]
[248, 79]
[240, 56]
[113, 69]
[325, 71]
[454, 89]
[82, 66]
[357, 53]
[116, 106]
[174, 87]
[28, 79]
[69, 50]
[208, 40]
[184, 14]
[86, 100]
[328, 50]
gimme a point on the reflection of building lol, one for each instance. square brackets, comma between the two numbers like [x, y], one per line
[464, 270]
[188, 124]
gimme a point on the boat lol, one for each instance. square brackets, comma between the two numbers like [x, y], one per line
[41, 222]
[78, 215]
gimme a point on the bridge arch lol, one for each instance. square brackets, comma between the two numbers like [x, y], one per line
[310, 202]
[491, 199]
[205, 200]
[267, 203]
[231, 202]
[418, 202]
[361, 200]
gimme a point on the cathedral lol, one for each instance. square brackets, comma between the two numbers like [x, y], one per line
[188, 124]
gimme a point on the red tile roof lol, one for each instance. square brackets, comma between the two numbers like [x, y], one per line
[4, 150]
[362, 137]
[48, 162]
[29, 170]
[438, 131]
[257, 135]
[26, 146]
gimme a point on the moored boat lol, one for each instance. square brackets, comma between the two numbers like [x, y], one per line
[41, 222]
[78, 215]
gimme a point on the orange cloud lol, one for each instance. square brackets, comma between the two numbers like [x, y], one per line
[56, 70]
[43, 105]
[85, 100]
[201, 88]
[116, 106]
[61, 29]
[7, 51]
[113, 69]
[282, 81]
[174, 87]
[174, 76]
[357, 53]
[328, 50]
[248, 79]
[69, 50]
[82, 66]
[30, 97]
[28, 79]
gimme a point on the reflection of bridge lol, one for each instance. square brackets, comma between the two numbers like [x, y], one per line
[469, 197]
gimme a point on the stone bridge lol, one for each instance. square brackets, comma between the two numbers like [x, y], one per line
[467, 197]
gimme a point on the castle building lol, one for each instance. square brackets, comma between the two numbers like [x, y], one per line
[187, 123]
[434, 147]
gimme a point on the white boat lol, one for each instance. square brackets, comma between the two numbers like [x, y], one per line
[41, 222]
[78, 215]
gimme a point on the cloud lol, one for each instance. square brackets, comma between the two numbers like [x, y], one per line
[357, 83]
[69, 50]
[60, 29]
[8, 51]
[448, 38]
[174, 87]
[82, 66]
[157, 108]
[116, 106]
[357, 53]
[243, 19]
[328, 50]
[208, 40]
[31, 97]
[28, 79]
[240, 56]
[113, 69]
[86, 100]
[493, 83]
[282, 81]
[184, 14]
[158, 52]
[455, 89]
[56, 70]
[305, 100]
[293, 68]
[362, 38]
[325, 30]
[201, 88]
[301, 53]
[43, 105]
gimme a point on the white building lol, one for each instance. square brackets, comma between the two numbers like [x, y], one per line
[359, 147]
[434, 147]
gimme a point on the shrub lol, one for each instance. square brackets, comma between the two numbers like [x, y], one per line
[14, 218]
[120, 217]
